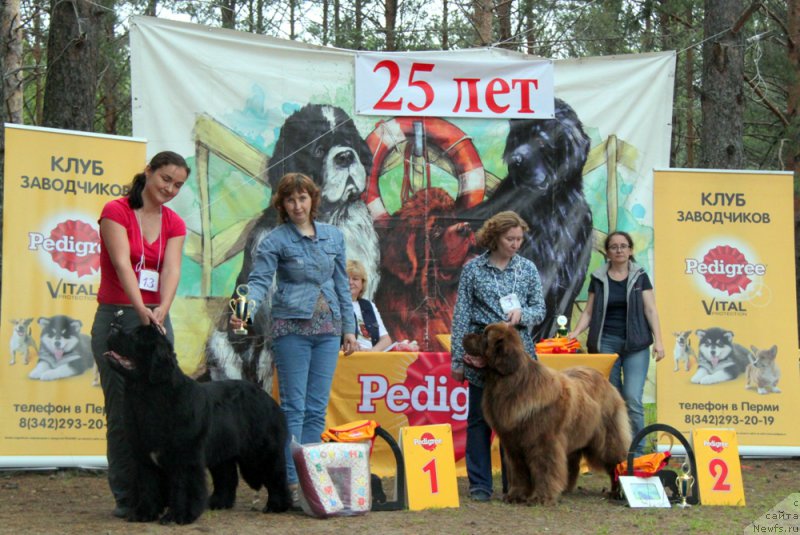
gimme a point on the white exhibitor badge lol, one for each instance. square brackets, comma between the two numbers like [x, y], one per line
[148, 280]
[510, 302]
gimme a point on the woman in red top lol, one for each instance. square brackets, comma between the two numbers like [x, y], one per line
[140, 264]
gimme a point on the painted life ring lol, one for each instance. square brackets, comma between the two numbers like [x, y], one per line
[443, 134]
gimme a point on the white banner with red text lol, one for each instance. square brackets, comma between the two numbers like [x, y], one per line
[411, 84]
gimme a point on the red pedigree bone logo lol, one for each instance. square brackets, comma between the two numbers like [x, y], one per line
[725, 268]
[428, 441]
[716, 444]
[74, 245]
[419, 378]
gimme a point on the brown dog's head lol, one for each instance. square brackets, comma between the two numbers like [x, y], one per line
[499, 349]
[425, 239]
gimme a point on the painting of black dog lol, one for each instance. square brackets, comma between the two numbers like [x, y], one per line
[178, 427]
[544, 185]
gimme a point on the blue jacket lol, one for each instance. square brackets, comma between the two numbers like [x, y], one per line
[302, 267]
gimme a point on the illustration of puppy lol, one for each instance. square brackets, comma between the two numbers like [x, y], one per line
[21, 340]
[763, 373]
[718, 358]
[683, 351]
[63, 350]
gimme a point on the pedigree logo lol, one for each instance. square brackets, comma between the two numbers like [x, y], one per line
[715, 443]
[427, 396]
[427, 441]
[725, 268]
[73, 244]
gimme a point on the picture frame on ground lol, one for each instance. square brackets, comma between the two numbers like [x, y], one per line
[644, 491]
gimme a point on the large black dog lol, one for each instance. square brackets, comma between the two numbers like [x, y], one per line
[544, 186]
[178, 427]
[322, 142]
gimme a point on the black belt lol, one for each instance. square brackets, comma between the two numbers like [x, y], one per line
[479, 327]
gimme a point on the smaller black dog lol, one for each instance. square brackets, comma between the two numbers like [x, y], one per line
[178, 427]
[669, 480]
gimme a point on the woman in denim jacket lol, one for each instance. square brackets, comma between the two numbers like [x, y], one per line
[312, 313]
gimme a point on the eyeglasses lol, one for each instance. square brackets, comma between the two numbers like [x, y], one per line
[620, 247]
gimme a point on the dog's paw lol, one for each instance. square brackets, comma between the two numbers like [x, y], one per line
[219, 502]
[276, 506]
[142, 516]
[515, 497]
[181, 518]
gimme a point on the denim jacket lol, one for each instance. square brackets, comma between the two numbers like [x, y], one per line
[302, 267]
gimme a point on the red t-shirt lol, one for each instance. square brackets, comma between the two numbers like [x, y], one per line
[119, 211]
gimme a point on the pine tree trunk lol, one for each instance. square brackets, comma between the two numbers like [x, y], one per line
[2, 146]
[228, 12]
[482, 21]
[69, 94]
[391, 22]
[445, 26]
[792, 157]
[723, 87]
[504, 24]
[12, 52]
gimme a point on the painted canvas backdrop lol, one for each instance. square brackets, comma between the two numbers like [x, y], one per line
[223, 98]
[225, 95]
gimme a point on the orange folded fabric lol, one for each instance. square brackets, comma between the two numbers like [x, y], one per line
[558, 345]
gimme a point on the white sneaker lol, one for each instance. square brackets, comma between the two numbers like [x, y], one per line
[294, 493]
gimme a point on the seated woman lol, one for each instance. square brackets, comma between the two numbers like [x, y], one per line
[371, 334]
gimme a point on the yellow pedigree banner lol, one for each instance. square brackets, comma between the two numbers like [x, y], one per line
[726, 297]
[56, 183]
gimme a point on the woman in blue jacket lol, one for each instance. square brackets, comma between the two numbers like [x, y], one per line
[312, 313]
[622, 318]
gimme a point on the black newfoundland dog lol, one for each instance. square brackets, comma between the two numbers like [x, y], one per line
[545, 160]
[178, 427]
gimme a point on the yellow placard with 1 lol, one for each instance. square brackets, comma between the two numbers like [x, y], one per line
[430, 466]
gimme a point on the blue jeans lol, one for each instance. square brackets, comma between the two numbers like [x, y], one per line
[305, 366]
[479, 445]
[629, 375]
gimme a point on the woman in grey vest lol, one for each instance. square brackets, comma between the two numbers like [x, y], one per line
[622, 318]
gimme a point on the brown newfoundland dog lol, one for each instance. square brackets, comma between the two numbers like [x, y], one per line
[546, 420]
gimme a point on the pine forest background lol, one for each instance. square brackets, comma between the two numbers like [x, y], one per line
[65, 63]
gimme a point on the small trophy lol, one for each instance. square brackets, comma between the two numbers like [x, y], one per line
[685, 482]
[241, 306]
[562, 330]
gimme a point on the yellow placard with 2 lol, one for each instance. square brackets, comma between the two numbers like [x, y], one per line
[719, 474]
[430, 466]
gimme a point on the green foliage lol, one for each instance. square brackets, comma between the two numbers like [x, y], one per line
[568, 28]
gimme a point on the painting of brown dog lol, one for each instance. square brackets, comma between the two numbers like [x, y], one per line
[546, 419]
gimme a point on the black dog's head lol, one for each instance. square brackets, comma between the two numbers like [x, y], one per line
[322, 141]
[142, 355]
[498, 349]
[547, 154]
